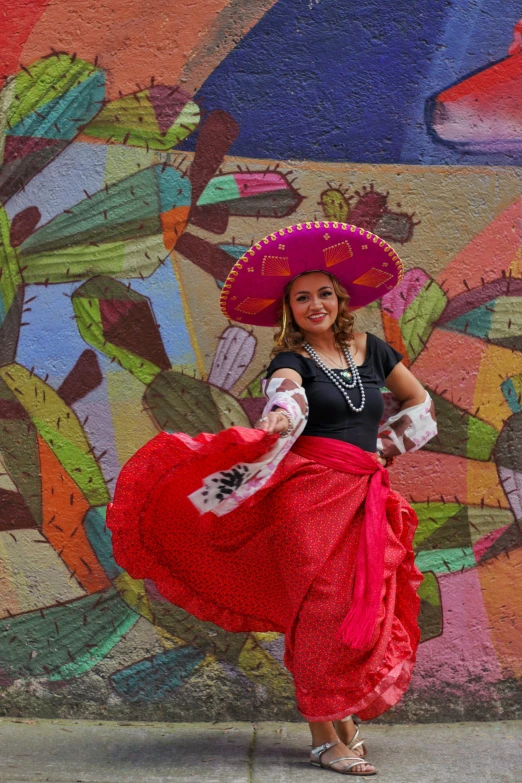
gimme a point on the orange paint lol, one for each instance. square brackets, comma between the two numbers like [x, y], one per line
[427, 475]
[490, 252]
[449, 365]
[393, 335]
[503, 606]
[173, 223]
[133, 40]
[64, 507]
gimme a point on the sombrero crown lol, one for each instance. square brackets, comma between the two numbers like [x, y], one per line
[366, 265]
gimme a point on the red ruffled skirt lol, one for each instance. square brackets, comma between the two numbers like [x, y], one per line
[283, 561]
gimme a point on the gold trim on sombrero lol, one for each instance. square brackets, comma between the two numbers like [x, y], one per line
[373, 278]
[334, 254]
[252, 306]
[275, 266]
[247, 257]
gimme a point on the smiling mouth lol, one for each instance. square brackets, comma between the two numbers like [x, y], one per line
[317, 316]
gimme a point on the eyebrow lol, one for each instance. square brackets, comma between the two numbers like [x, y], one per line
[323, 287]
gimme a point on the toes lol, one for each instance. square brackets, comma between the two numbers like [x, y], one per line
[363, 768]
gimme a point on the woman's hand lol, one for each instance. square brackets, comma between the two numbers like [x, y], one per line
[273, 422]
[380, 459]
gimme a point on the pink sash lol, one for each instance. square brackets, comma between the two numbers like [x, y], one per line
[358, 626]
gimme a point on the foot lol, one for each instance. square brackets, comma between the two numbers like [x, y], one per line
[338, 751]
[346, 731]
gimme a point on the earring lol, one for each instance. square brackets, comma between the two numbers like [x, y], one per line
[281, 338]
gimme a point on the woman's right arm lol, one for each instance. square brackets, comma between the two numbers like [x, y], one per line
[273, 421]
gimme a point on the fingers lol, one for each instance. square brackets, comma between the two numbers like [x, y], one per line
[270, 423]
[265, 424]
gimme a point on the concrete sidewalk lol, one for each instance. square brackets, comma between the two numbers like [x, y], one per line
[60, 751]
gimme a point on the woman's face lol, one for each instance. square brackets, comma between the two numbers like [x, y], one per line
[313, 302]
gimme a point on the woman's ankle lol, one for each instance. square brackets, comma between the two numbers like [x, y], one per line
[322, 732]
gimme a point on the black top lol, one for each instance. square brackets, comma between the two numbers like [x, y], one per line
[329, 415]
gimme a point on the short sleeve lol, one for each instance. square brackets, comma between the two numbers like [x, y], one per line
[385, 358]
[287, 360]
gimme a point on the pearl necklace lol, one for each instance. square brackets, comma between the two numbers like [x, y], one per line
[340, 382]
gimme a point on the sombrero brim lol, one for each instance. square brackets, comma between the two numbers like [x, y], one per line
[366, 265]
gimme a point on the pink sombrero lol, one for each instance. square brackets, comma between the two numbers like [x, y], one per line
[366, 265]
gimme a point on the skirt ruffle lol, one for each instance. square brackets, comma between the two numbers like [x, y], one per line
[283, 561]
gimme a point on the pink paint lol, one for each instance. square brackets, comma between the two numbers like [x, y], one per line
[483, 544]
[254, 183]
[487, 255]
[465, 650]
[397, 301]
[454, 379]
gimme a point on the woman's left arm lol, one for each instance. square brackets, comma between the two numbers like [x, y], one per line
[405, 387]
[414, 424]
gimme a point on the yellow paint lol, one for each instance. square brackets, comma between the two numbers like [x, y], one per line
[200, 364]
[516, 265]
[486, 520]
[267, 636]
[6, 482]
[134, 594]
[10, 599]
[35, 573]
[133, 425]
[259, 666]
[483, 483]
[496, 365]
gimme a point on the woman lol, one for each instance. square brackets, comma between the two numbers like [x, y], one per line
[291, 526]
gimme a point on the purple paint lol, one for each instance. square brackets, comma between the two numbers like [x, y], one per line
[465, 651]
[397, 301]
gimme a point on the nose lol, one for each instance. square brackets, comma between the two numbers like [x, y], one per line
[315, 304]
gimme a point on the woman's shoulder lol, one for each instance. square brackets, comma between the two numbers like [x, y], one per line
[376, 340]
[361, 339]
[382, 353]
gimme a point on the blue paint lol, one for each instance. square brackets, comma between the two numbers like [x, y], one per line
[100, 538]
[444, 561]
[95, 414]
[153, 679]
[61, 117]
[476, 322]
[349, 81]
[236, 251]
[510, 395]
[163, 291]
[61, 184]
[51, 342]
[175, 190]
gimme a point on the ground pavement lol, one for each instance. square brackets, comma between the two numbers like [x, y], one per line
[60, 751]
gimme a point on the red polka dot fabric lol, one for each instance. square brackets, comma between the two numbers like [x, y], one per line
[283, 561]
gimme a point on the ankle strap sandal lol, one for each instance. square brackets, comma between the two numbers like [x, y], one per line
[315, 761]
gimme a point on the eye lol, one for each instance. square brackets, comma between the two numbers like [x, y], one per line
[301, 298]
[327, 293]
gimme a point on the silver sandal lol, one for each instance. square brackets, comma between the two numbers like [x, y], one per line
[355, 742]
[318, 752]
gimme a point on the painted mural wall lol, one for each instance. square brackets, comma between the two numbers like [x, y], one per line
[143, 147]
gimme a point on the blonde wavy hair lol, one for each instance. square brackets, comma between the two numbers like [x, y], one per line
[290, 338]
